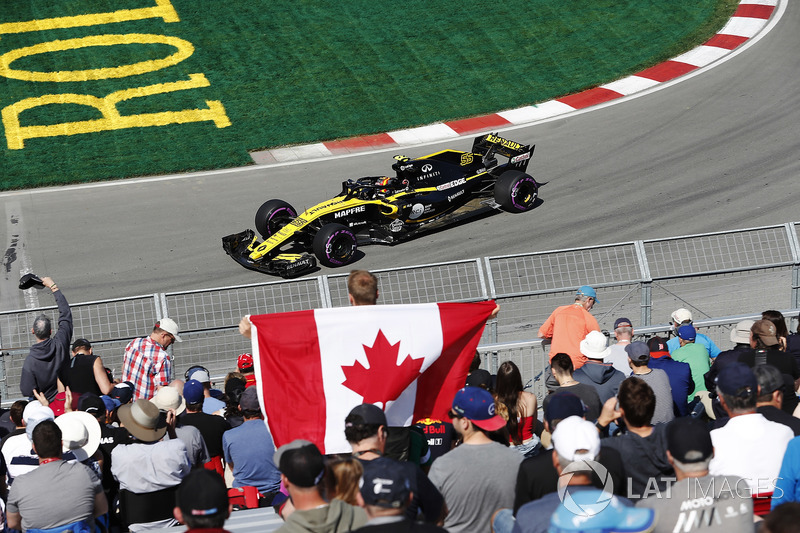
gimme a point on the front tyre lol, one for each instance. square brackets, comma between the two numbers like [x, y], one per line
[335, 245]
[515, 191]
[272, 216]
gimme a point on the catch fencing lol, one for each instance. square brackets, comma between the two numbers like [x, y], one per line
[721, 277]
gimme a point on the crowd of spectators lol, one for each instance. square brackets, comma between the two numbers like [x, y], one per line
[642, 435]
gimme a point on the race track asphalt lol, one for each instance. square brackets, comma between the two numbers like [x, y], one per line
[713, 152]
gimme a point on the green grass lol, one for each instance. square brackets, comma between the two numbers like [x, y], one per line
[302, 71]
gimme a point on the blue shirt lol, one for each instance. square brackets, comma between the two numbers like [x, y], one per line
[680, 380]
[250, 448]
[674, 343]
[787, 485]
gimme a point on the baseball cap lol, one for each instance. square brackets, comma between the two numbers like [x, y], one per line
[765, 330]
[81, 343]
[740, 334]
[595, 345]
[657, 344]
[366, 414]
[687, 332]
[689, 440]
[769, 378]
[91, 403]
[34, 413]
[200, 375]
[122, 392]
[202, 493]
[562, 405]
[249, 400]
[638, 351]
[737, 379]
[245, 362]
[477, 405]
[301, 462]
[586, 290]
[572, 516]
[110, 403]
[193, 391]
[480, 378]
[385, 484]
[576, 439]
[622, 323]
[169, 325]
[681, 315]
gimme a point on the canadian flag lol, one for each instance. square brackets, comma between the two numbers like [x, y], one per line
[313, 367]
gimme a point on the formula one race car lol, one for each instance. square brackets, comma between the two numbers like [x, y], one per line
[425, 194]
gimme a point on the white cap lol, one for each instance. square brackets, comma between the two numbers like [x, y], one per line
[595, 345]
[34, 413]
[576, 439]
[681, 315]
[740, 334]
[200, 375]
[169, 325]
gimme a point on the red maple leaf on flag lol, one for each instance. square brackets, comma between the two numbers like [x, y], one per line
[384, 380]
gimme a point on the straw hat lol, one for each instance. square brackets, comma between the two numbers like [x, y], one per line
[141, 419]
[169, 398]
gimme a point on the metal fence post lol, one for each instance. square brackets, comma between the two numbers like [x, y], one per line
[325, 292]
[646, 284]
[3, 380]
[489, 292]
[647, 302]
[794, 246]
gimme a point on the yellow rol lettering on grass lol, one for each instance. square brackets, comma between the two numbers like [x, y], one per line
[163, 10]
[111, 119]
[185, 49]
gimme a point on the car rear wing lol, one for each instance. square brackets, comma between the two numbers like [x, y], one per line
[518, 155]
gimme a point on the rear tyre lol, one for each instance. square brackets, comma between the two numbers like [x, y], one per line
[272, 216]
[335, 245]
[515, 191]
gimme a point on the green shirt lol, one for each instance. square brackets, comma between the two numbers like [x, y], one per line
[697, 357]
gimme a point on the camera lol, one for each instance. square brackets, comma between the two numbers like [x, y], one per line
[30, 280]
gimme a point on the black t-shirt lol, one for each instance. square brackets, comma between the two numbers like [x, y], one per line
[440, 436]
[80, 374]
[587, 393]
[773, 414]
[211, 427]
[6, 424]
[780, 360]
[110, 437]
[783, 362]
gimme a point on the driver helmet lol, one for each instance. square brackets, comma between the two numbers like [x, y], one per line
[388, 183]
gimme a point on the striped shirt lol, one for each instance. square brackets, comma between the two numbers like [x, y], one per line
[147, 365]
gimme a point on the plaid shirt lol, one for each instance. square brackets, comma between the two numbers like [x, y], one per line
[147, 365]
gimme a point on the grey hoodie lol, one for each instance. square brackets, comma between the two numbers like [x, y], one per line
[602, 376]
[47, 359]
[337, 517]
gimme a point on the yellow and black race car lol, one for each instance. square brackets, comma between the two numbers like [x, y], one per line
[425, 193]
